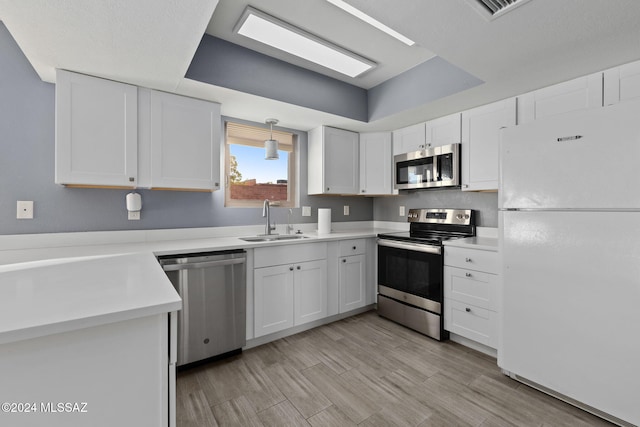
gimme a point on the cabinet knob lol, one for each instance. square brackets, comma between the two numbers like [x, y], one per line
[468, 310]
[467, 259]
[291, 268]
[354, 248]
[298, 267]
[344, 260]
[328, 188]
[131, 179]
[363, 191]
[468, 274]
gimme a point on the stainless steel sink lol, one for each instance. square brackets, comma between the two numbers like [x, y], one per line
[273, 237]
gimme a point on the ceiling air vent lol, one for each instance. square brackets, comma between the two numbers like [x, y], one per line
[496, 8]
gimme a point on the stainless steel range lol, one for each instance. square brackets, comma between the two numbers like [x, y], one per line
[410, 265]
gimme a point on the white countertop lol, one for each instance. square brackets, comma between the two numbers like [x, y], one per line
[52, 284]
[477, 242]
[46, 297]
[55, 283]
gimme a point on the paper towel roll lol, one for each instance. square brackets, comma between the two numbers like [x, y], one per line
[324, 221]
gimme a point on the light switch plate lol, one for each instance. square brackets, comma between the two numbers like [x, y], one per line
[306, 211]
[401, 211]
[346, 210]
[24, 209]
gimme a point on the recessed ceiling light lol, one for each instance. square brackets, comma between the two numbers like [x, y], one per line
[266, 29]
[369, 20]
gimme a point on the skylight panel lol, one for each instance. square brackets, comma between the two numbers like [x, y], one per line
[271, 31]
[371, 21]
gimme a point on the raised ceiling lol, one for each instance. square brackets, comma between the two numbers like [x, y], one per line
[151, 43]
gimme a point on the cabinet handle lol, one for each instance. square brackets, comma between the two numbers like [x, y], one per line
[298, 267]
[467, 259]
[468, 310]
[468, 274]
[131, 179]
[291, 268]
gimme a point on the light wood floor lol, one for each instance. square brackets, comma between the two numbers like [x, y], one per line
[364, 371]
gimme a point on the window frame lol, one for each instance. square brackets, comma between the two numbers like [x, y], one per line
[292, 181]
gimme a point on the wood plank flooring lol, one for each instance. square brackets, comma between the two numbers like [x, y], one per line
[364, 371]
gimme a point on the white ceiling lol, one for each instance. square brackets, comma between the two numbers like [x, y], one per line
[151, 43]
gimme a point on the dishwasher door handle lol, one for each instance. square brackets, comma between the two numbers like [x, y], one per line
[204, 264]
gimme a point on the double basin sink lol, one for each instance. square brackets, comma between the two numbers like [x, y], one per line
[273, 237]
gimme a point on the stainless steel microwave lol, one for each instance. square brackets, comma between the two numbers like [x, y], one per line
[432, 167]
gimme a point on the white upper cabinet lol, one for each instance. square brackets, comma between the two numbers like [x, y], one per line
[111, 134]
[480, 143]
[411, 138]
[622, 83]
[333, 159]
[434, 133]
[185, 140]
[443, 131]
[376, 164]
[96, 131]
[577, 94]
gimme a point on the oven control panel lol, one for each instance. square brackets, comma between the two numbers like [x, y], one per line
[442, 216]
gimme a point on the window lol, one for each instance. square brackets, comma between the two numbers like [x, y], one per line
[250, 179]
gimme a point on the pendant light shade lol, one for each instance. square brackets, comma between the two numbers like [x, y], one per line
[271, 145]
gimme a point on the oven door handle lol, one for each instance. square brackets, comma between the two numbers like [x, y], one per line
[437, 250]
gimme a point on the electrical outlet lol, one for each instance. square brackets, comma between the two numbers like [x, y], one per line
[24, 209]
[306, 211]
[401, 212]
[346, 210]
[134, 215]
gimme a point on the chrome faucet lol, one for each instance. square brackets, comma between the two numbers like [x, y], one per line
[289, 226]
[268, 228]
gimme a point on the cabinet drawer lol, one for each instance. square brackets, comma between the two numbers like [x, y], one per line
[472, 259]
[471, 287]
[471, 322]
[352, 247]
[288, 254]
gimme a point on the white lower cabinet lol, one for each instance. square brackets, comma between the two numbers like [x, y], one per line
[471, 294]
[294, 291]
[352, 275]
[309, 291]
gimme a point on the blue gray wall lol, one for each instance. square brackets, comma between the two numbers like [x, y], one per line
[221, 63]
[27, 139]
[422, 84]
[225, 64]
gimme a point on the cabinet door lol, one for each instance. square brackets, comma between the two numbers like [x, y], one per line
[310, 291]
[622, 83]
[341, 158]
[376, 163]
[480, 142]
[185, 142]
[352, 278]
[411, 138]
[96, 131]
[273, 299]
[578, 94]
[443, 131]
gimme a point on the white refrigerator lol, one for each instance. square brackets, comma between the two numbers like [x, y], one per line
[569, 208]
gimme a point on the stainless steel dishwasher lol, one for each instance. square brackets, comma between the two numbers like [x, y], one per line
[212, 286]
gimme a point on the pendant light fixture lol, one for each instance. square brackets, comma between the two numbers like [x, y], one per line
[271, 145]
